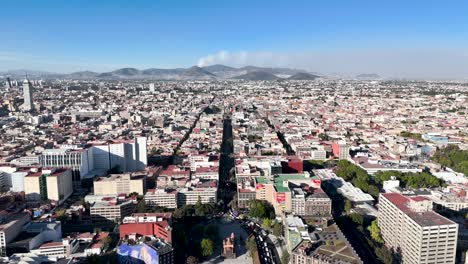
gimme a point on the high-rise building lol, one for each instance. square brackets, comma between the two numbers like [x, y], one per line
[340, 150]
[151, 87]
[8, 84]
[123, 156]
[408, 224]
[28, 96]
[80, 161]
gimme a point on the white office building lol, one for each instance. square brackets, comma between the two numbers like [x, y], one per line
[123, 156]
[408, 223]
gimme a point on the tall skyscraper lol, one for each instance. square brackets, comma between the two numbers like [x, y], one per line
[151, 87]
[27, 95]
[8, 84]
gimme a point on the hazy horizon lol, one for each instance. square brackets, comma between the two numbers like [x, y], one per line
[398, 39]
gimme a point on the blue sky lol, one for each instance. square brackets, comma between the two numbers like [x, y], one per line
[102, 35]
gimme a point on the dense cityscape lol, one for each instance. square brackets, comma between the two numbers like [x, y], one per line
[234, 132]
[328, 170]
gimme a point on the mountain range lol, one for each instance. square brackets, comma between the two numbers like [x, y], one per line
[212, 72]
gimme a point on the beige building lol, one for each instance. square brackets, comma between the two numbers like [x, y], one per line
[110, 211]
[120, 184]
[55, 185]
[191, 196]
[59, 185]
[161, 198]
[408, 223]
[33, 183]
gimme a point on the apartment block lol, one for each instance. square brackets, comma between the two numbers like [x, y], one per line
[161, 198]
[408, 223]
[110, 211]
[59, 185]
[191, 196]
[117, 184]
[55, 185]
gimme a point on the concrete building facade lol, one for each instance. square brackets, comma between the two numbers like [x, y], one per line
[408, 224]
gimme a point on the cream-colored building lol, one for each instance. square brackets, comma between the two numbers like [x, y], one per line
[161, 198]
[59, 185]
[110, 211]
[55, 185]
[408, 223]
[191, 195]
[33, 183]
[117, 184]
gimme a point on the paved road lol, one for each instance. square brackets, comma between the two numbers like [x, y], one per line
[266, 249]
[226, 162]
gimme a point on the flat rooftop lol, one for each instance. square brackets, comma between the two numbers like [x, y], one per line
[427, 218]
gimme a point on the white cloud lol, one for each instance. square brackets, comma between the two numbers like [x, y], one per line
[433, 64]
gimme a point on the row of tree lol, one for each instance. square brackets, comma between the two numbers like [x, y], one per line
[453, 157]
[410, 180]
[407, 134]
[261, 209]
[272, 225]
[370, 231]
[357, 176]
[372, 184]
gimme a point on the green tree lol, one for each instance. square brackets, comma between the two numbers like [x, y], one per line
[375, 231]
[374, 191]
[323, 136]
[206, 246]
[106, 241]
[266, 223]
[356, 218]
[285, 258]
[261, 209]
[251, 245]
[61, 215]
[453, 157]
[277, 229]
[384, 255]
[347, 206]
[141, 207]
[178, 213]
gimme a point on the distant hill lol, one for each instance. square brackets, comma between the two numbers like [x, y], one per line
[368, 76]
[212, 72]
[218, 68]
[257, 76]
[275, 71]
[126, 72]
[82, 75]
[196, 72]
[302, 76]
